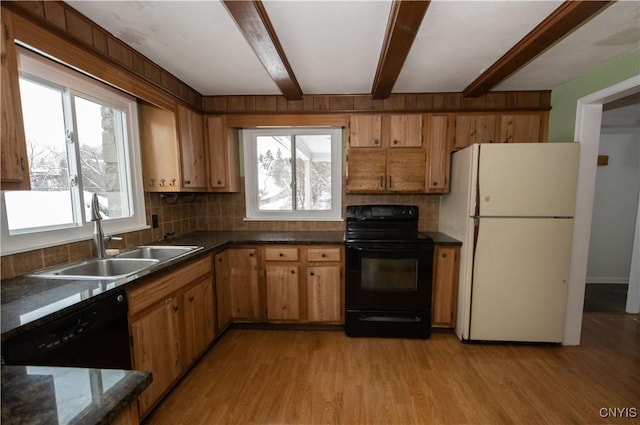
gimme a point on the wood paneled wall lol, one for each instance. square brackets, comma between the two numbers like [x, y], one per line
[411, 102]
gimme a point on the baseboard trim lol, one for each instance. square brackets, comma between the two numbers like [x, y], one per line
[608, 280]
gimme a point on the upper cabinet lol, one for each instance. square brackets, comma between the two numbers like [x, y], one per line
[438, 139]
[474, 128]
[521, 128]
[192, 148]
[224, 159]
[386, 154]
[173, 153]
[14, 172]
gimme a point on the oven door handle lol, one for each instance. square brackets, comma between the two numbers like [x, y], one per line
[388, 248]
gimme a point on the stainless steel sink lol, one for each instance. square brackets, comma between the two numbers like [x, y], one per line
[103, 268]
[157, 252]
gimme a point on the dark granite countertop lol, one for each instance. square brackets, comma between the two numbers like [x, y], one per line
[61, 395]
[29, 302]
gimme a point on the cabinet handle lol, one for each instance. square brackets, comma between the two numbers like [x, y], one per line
[152, 182]
[444, 255]
[251, 254]
[175, 308]
[382, 182]
[311, 274]
[435, 183]
[173, 182]
[161, 184]
[187, 182]
[191, 298]
[324, 255]
[389, 182]
[293, 272]
[395, 142]
[281, 254]
[376, 142]
[219, 181]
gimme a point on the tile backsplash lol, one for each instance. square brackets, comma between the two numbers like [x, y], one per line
[189, 212]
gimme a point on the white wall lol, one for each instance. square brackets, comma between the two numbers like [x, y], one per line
[615, 206]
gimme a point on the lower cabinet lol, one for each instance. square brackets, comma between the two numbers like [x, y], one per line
[324, 294]
[283, 292]
[171, 321]
[445, 286]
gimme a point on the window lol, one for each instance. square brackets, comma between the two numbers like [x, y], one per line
[81, 139]
[293, 173]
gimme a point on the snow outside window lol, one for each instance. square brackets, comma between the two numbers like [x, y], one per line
[81, 139]
[293, 173]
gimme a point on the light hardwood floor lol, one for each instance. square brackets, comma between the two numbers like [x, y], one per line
[323, 377]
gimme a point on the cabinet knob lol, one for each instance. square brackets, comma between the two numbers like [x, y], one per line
[191, 298]
[395, 142]
[293, 272]
[311, 274]
[175, 307]
[187, 182]
[251, 254]
[435, 183]
[219, 181]
[444, 255]
[281, 254]
[376, 142]
[324, 255]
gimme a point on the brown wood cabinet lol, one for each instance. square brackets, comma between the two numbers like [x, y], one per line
[445, 286]
[520, 128]
[237, 283]
[438, 140]
[156, 348]
[282, 284]
[325, 286]
[224, 159]
[386, 154]
[172, 147]
[14, 169]
[171, 322]
[192, 149]
[474, 128]
[223, 290]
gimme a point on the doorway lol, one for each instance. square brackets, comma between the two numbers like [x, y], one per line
[587, 131]
[614, 208]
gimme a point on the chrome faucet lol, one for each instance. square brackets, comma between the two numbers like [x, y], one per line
[99, 238]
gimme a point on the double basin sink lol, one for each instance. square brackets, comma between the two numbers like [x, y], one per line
[120, 266]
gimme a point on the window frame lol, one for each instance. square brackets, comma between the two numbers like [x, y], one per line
[53, 73]
[250, 157]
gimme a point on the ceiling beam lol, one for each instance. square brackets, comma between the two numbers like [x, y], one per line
[568, 16]
[252, 19]
[404, 21]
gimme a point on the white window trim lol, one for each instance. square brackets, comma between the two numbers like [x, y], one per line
[251, 178]
[32, 63]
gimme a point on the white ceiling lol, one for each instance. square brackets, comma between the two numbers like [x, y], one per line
[334, 46]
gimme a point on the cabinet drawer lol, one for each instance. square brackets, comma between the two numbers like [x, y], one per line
[281, 254]
[323, 254]
[151, 292]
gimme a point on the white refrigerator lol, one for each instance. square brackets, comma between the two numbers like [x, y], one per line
[512, 206]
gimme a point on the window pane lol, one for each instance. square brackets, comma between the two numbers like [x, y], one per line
[102, 158]
[313, 172]
[274, 173]
[49, 202]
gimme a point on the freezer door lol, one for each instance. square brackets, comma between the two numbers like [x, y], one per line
[520, 278]
[528, 179]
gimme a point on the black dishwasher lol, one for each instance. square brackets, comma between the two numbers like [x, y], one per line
[96, 336]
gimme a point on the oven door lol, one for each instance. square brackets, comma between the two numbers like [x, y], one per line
[388, 276]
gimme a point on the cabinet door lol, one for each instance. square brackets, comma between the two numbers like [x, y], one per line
[324, 293]
[156, 348]
[405, 131]
[366, 170]
[224, 160]
[194, 170]
[244, 284]
[13, 155]
[406, 170]
[223, 290]
[365, 131]
[445, 286]
[520, 128]
[159, 145]
[283, 293]
[438, 153]
[472, 128]
[197, 319]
